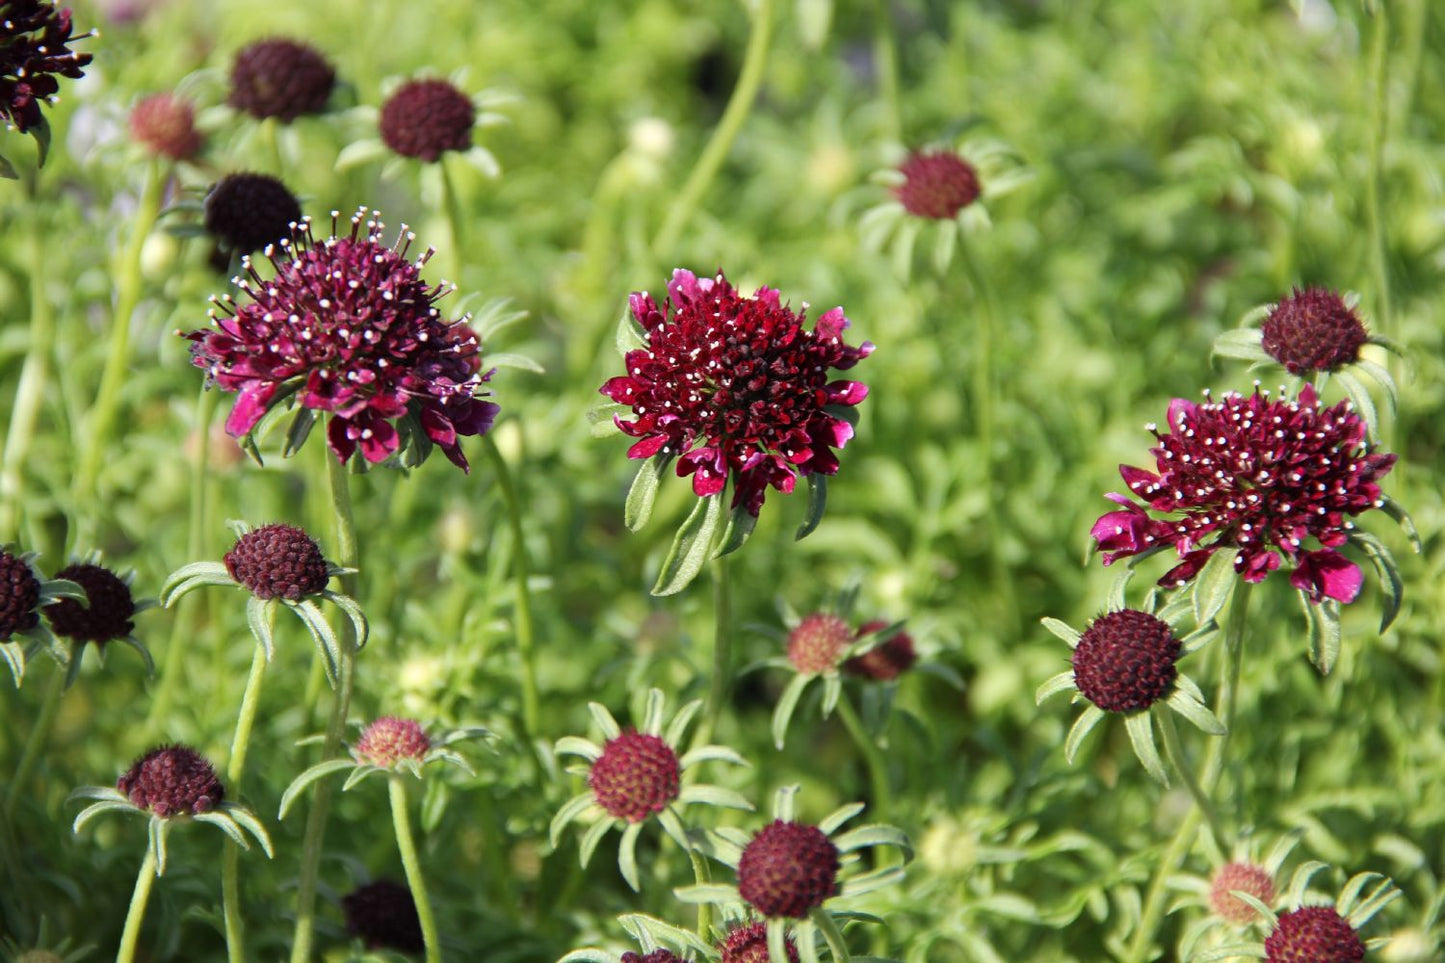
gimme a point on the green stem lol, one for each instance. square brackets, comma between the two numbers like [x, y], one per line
[722, 657]
[1225, 704]
[235, 770]
[521, 574]
[138, 899]
[1175, 751]
[872, 756]
[755, 60]
[270, 134]
[40, 733]
[30, 392]
[1375, 185]
[454, 217]
[412, 865]
[346, 557]
[117, 363]
[885, 57]
[704, 910]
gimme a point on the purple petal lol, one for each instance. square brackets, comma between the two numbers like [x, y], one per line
[1327, 574]
[250, 408]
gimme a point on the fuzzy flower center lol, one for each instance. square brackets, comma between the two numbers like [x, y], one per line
[1313, 330]
[282, 79]
[106, 616]
[1246, 878]
[245, 212]
[749, 944]
[172, 781]
[814, 646]
[636, 776]
[425, 118]
[19, 596]
[936, 184]
[787, 869]
[166, 125]
[389, 740]
[278, 560]
[1313, 934]
[1125, 661]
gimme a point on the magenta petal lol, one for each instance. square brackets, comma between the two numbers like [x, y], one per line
[647, 447]
[831, 324]
[683, 288]
[1187, 569]
[1179, 409]
[1137, 479]
[250, 408]
[339, 440]
[846, 392]
[1121, 533]
[1328, 574]
[378, 441]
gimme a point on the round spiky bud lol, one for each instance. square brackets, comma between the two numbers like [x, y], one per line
[788, 869]
[816, 643]
[936, 184]
[1125, 661]
[1313, 934]
[278, 560]
[749, 944]
[886, 660]
[282, 79]
[1246, 878]
[383, 914]
[637, 775]
[390, 740]
[656, 956]
[425, 118]
[107, 614]
[245, 212]
[166, 125]
[19, 596]
[172, 781]
[1313, 330]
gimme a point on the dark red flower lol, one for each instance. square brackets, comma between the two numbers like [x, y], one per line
[817, 641]
[1246, 878]
[348, 324]
[749, 944]
[19, 596]
[1125, 661]
[166, 125]
[936, 184]
[1257, 474]
[636, 775]
[735, 386]
[424, 118]
[172, 781]
[383, 914]
[885, 661]
[282, 79]
[788, 869]
[35, 40]
[1313, 330]
[656, 956]
[1313, 934]
[278, 560]
[390, 740]
[245, 212]
[107, 614]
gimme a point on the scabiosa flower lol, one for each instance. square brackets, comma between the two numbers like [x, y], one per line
[390, 741]
[425, 118]
[885, 661]
[1242, 877]
[383, 915]
[656, 956]
[1259, 477]
[282, 79]
[105, 616]
[23, 593]
[817, 642]
[278, 565]
[936, 184]
[347, 326]
[636, 775]
[35, 38]
[172, 784]
[245, 212]
[166, 126]
[1244, 872]
[1124, 664]
[748, 943]
[788, 869]
[43, 950]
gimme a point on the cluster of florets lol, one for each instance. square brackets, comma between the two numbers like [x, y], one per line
[172, 781]
[788, 869]
[383, 914]
[350, 320]
[282, 79]
[734, 386]
[35, 38]
[1313, 934]
[1245, 878]
[885, 661]
[636, 776]
[389, 740]
[19, 596]
[749, 944]
[1258, 474]
[817, 642]
[656, 956]
[166, 126]
[278, 561]
[425, 118]
[245, 212]
[936, 184]
[105, 617]
[1125, 661]
[1313, 330]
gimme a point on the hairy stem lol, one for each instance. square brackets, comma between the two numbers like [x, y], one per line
[130, 936]
[1375, 185]
[522, 599]
[701, 874]
[1175, 751]
[30, 392]
[39, 734]
[235, 770]
[412, 865]
[722, 657]
[885, 59]
[872, 757]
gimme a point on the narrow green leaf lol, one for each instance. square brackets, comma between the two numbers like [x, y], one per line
[787, 703]
[691, 546]
[629, 335]
[1064, 680]
[1141, 734]
[298, 432]
[741, 523]
[1213, 585]
[817, 501]
[41, 133]
[1392, 587]
[707, 893]
[257, 618]
[1359, 396]
[1063, 630]
[7, 169]
[1327, 654]
[1402, 518]
[301, 782]
[601, 419]
[627, 856]
[1088, 719]
[643, 493]
[592, 837]
[570, 810]
[519, 361]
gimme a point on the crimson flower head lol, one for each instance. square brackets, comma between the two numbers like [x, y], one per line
[35, 39]
[1125, 661]
[166, 126]
[384, 915]
[736, 388]
[425, 118]
[172, 781]
[1242, 877]
[389, 740]
[1313, 934]
[749, 944]
[937, 184]
[788, 869]
[1313, 330]
[636, 776]
[280, 78]
[347, 326]
[1257, 474]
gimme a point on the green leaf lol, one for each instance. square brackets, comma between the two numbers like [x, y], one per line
[1402, 518]
[787, 703]
[7, 169]
[629, 336]
[643, 493]
[41, 133]
[600, 419]
[1064, 680]
[627, 856]
[1213, 585]
[707, 893]
[258, 619]
[817, 501]
[1141, 735]
[691, 546]
[511, 360]
[298, 432]
[1392, 587]
[741, 523]
[570, 810]
[1063, 630]
[1327, 652]
[301, 782]
[360, 152]
[1359, 396]
[1196, 712]
[1088, 719]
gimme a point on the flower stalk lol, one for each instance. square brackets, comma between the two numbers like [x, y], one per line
[144, 880]
[39, 734]
[235, 924]
[412, 864]
[721, 681]
[31, 389]
[872, 757]
[522, 592]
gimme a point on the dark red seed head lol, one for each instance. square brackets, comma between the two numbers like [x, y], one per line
[278, 561]
[108, 613]
[656, 956]
[172, 781]
[383, 915]
[1313, 934]
[1125, 661]
[35, 40]
[1313, 330]
[749, 944]
[636, 775]
[245, 212]
[1246, 878]
[390, 740]
[936, 184]
[788, 869]
[886, 660]
[282, 79]
[166, 125]
[817, 642]
[19, 595]
[425, 118]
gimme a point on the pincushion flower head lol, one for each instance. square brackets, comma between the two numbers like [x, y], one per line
[1243, 870]
[281, 566]
[789, 869]
[170, 785]
[280, 78]
[737, 392]
[105, 614]
[35, 39]
[383, 914]
[165, 125]
[1124, 664]
[426, 119]
[346, 326]
[636, 775]
[24, 592]
[658, 940]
